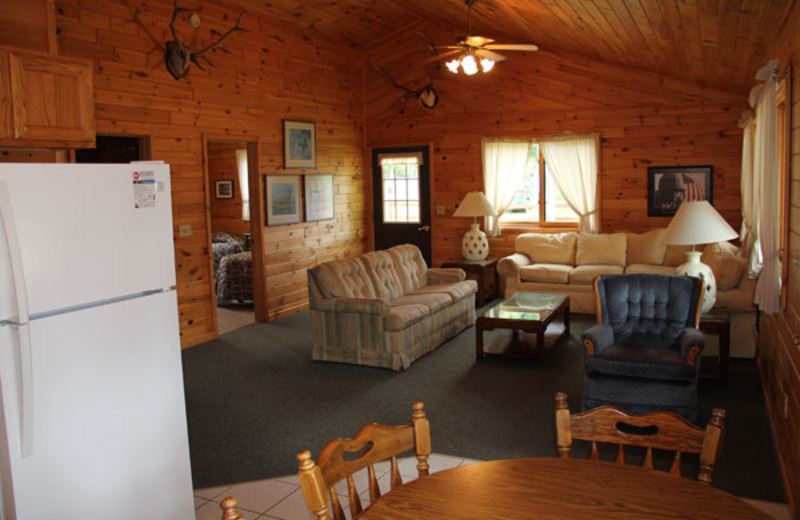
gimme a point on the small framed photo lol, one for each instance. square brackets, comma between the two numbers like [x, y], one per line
[299, 144]
[669, 186]
[224, 189]
[283, 199]
[318, 197]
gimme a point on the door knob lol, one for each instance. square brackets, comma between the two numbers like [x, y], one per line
[424, 228]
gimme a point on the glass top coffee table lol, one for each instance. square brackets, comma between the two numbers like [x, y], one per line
[523, 311]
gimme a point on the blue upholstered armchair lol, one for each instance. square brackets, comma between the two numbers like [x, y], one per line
[644, 352]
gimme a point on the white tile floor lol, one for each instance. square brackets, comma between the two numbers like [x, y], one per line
[281, 499]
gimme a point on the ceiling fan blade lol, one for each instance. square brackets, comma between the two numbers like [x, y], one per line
[512, 46]
[485, 53]
[473, 41]
[447, 54]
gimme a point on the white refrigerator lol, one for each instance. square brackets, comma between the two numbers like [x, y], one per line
[92, 410]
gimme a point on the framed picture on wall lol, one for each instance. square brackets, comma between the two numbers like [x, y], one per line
[318, 197]
[224, 189]
[669, 186]
[299, 144]
[283, 199]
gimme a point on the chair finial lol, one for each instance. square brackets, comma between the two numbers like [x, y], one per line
[228, 506]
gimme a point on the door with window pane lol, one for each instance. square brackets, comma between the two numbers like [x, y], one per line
[401, 198]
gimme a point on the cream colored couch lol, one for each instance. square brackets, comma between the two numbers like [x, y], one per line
[567, 263]
[386, 308]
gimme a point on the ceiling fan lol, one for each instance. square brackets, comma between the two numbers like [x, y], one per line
[478, 51]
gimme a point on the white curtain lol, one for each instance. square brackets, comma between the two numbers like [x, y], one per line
[751, 193]
[573, 164]
[504, 162]
[765, 175]
[244, 182]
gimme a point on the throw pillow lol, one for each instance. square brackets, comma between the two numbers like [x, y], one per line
[647, 248]
[725, 262]
[605, 249]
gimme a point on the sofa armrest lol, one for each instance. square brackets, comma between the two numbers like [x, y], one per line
[509, 265]
[446, 275]
[692, 344]
[358, 305]
[597, 338]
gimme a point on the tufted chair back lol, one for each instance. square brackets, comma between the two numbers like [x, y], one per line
[648, 309]
[381, 270]
[410, 265]
[345, 278]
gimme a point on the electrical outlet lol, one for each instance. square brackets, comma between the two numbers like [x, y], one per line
[185, 230]
[440, 210]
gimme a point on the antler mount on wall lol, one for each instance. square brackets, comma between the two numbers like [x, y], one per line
[179, 57]
[427, 94]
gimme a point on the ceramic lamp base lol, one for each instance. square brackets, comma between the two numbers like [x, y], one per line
[694, 267]
[475, 246]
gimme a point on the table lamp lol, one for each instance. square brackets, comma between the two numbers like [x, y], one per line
[697, 222]
[474, 246]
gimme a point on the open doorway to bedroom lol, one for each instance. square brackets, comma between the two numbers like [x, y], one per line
[231, 235]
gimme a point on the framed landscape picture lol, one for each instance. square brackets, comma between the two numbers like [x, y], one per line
[319, 197]
[283, 199]
[224, 189]
[299, 144]
[669, 186]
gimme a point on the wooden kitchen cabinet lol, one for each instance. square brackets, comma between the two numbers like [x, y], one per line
[46, 100]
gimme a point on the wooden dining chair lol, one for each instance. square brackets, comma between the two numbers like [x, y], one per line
[341, 458]
[655, 430]
[229, 511]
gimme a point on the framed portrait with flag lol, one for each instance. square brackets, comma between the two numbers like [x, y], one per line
[669, 186]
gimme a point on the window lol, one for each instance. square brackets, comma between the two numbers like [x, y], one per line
[400, 187]
[531, 203]
[244, 182]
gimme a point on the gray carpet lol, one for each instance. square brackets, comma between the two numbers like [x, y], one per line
[255, 398]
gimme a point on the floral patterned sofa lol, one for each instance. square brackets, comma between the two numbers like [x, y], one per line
[386, 308]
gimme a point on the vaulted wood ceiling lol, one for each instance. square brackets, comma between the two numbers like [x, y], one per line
[718, 43]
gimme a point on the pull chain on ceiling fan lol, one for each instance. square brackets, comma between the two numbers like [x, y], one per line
[473, 48]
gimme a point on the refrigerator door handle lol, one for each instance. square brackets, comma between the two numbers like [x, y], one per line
[14, 253]
[20, 292]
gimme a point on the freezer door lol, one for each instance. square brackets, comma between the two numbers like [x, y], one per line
[87, 232]
[109, 420]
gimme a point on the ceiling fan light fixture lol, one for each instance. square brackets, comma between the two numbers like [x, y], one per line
[487, 64]
[452, 65]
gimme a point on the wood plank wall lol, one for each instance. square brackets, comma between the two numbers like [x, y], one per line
[645, 119]
[779, 338]
[226, 214]
[274, 72]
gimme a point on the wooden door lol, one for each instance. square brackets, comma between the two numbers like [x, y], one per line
[401, 197]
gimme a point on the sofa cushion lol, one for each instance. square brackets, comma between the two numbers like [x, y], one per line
[434, 301]
[676, 255]
[402, 316]
[726, 264]
[410, 266]
[601, 249]
[380, 268]
[545, 273]
[585, 274]
[456, 290]
[649, 268]
[345, 278]
[548, 248]
[647, 248]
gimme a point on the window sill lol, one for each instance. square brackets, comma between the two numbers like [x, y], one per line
[540, 227]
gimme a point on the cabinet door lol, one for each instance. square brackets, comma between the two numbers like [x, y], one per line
[52, 100]
[6, 119]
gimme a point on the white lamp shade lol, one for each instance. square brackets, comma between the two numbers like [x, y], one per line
[697, 222]
[475, 204]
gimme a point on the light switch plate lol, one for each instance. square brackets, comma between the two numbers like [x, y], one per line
[440, 210]
[185, 230]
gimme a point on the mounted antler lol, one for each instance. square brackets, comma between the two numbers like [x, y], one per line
[179, 57]
[426, 95]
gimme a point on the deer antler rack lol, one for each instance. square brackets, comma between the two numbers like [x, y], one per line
[426, 95]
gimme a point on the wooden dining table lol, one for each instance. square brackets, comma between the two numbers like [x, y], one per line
[554, 488]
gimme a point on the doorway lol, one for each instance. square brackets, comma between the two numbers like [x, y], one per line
[401, 198]
[231, 239]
